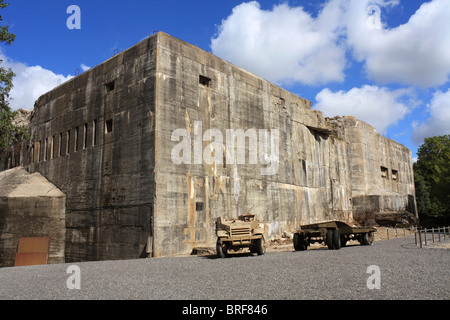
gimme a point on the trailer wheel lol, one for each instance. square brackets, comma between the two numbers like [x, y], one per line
[222, 249]
[336, 239]
[300, 242]
[329, 239]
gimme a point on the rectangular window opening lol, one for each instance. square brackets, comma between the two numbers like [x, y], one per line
[394, 175]
[39, 152]
[68, 142]
[199, 206]
[45, 149]
[205, 81]
[52, 150]
[94, 133]
[110, 86]
[60, 144]
[282, 103]
[85, 136]
[109, 126]
[76, 138]
[384, 172]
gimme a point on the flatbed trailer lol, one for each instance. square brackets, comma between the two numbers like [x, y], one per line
[334, 234]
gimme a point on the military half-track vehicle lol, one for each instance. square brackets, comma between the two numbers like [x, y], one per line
[244, 232]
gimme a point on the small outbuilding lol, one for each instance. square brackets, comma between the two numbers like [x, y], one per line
[31, 209]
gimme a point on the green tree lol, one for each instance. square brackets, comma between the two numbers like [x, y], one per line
[432, 177]
[442, 179]
[9, 134]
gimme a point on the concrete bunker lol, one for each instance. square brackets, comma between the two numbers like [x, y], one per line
[128, 198]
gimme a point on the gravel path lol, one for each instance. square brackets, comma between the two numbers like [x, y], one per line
[406, 272]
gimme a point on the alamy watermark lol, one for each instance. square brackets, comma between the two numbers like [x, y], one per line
[262, 147]
[373, 21]
[74, 280]
[74, 20]
[374, 280]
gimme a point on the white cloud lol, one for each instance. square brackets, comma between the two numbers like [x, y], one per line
[84, 67]
[414, 53]
[377, 106]
[283, 44]
[439, 122]
[288, 44]
[30, 82]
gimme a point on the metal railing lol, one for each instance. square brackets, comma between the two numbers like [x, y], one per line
[421, 238]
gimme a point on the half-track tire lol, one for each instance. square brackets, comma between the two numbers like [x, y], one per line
[260, 246]
[221, 248]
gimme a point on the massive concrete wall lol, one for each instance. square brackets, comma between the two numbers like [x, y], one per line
[198, 91]
[381, 171]
[93, 138]
[327, 168]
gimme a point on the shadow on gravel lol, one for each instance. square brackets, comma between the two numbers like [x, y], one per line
[410, 246]
[230, 255]
[212, 255]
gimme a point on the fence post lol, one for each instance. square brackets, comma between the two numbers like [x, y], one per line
[425, 234]
[439, 234]
[420, 237]
[415, 237]
[432, 234]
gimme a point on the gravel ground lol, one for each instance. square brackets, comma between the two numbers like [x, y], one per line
[406, 273]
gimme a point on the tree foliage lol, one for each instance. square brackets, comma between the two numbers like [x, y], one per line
[9, 133]
[432, 178]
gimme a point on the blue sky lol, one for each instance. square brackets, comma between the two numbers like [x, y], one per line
[386, 62]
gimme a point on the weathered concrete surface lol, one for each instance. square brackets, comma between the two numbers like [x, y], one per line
[381, 171]
[93, 137]
[307, 186]
[106, 139]
[323, 166]
[30, 206]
